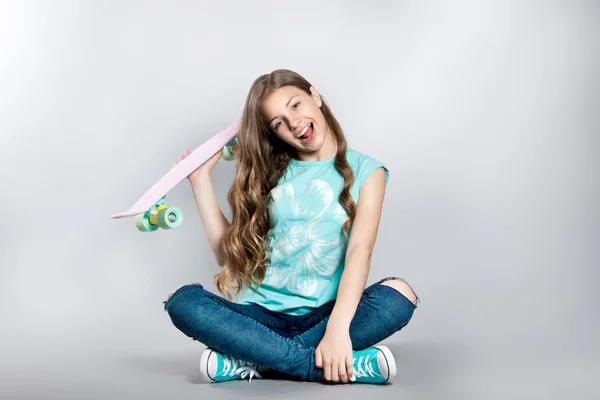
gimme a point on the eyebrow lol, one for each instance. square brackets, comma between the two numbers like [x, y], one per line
[286, 105]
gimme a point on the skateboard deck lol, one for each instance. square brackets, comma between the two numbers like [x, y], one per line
[155, 195]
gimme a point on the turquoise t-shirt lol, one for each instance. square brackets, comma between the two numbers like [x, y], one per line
[308, 246]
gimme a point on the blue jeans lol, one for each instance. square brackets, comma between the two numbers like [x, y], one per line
[280, 341]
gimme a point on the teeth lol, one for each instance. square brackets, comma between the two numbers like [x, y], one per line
[304, 130]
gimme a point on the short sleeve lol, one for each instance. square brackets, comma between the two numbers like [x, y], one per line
[367, 167]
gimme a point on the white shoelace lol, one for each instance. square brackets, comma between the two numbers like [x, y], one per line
[363, 368]
[234, 366]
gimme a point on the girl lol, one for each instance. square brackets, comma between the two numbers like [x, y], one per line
[297, 251]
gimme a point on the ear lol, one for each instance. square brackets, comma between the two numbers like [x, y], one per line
[315, 95]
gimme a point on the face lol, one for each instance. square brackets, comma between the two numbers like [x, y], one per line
[289, 110]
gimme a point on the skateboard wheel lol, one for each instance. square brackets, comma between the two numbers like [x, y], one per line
[228, 152]
[169, 218]
[228, 155]
[143, 225]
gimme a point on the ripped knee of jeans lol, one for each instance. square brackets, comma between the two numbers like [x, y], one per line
[417, 301]
[175, 291]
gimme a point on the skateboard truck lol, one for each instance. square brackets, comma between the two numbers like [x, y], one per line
[159, 216]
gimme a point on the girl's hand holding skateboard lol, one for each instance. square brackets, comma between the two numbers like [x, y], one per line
[204, 169]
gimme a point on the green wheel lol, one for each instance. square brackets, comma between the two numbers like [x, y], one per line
[143, 225]
[228, 155]
[169, 218]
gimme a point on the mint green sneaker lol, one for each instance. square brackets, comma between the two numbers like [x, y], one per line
[217, 367]
[373, 365]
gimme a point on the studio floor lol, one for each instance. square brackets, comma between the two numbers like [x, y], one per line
[426, 370]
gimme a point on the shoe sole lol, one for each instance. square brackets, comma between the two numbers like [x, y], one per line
[204, 365]
[391, 362]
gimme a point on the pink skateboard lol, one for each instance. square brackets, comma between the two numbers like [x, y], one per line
[150, 210]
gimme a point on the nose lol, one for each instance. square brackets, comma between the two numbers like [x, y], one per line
[295, 125]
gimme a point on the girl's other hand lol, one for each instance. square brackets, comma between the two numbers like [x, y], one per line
[204, 169]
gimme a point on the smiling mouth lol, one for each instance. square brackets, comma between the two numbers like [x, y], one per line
[308, 134]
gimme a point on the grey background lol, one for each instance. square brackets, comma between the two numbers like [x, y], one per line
[485, 113]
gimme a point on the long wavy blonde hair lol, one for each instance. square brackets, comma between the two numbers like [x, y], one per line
[261, 158]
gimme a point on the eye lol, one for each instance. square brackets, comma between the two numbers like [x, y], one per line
[277, 124]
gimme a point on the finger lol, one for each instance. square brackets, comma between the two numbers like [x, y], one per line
[335, 368]
[318, 359]
[327, 370]
[342, 372]
[174, 163]
[349, 366]
[187, 151]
